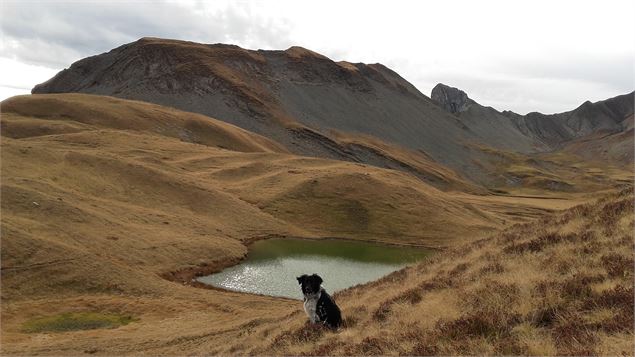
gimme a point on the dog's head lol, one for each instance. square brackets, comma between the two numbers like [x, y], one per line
[310, 283]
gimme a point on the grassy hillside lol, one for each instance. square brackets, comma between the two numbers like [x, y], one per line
[102, 194]
[102, 198]
[560, 286]
[38, 115]
[554, 173]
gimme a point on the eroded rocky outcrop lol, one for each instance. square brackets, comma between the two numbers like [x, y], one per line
[451, 99]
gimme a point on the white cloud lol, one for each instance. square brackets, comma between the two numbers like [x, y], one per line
[521, 55]
[18, 78]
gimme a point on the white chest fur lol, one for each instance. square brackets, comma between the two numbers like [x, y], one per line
[310, 306]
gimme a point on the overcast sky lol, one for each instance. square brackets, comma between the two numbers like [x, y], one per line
[547, 56]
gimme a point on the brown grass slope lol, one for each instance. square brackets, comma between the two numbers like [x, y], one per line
[101, 197]
[95, 188]
[560, 286]
[559, 172]
[36, 115]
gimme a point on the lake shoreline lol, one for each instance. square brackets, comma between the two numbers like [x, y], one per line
[189, 276]
[272, 264]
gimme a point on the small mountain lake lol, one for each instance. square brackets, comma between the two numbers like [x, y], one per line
[272, 265]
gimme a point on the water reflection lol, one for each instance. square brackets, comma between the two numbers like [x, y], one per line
[272, 265]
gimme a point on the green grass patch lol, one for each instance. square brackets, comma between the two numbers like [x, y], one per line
[74, 321]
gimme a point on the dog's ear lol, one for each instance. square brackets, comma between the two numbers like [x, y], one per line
[318, 278]
[301, 279]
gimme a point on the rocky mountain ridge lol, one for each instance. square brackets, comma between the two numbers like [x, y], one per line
[314, 106]
[546, 131]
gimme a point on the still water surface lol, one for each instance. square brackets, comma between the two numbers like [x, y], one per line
[272, 265]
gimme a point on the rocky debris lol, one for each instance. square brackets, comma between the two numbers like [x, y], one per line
[451, 99]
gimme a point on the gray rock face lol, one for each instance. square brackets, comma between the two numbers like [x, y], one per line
[451, 99]
[534, 131]
[295, 97]
[302, 100]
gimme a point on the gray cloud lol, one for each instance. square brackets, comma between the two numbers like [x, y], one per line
[611, 71]
[54, 34]
[490, 68]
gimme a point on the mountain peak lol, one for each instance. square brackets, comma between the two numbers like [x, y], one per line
[300, 52]
[451, 99]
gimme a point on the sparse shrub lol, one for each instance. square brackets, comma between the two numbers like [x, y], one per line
[628, 239]
[491, 297]
[573, 337]
[619, 297]
[368, 346]
[617, 265]
[536, 245]
[494, 325]
[394, 277]
[411, 296]
[590, 248]
[543, 317]
[493, 268]
[563, 264]
[620, 322]
[614, 209]
[349, 321]
[426, 346]
[579, 211]
[579, 286]
[307, 333]
[587, 236]
[508, 346]
[435, 284]
[458, 270]
[508, 237]
[325, 349]
[382, 311]
[372, 346]
[543, 288]
[490, 257]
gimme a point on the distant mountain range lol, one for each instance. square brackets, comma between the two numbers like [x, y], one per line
[358, 112]
[540, 132]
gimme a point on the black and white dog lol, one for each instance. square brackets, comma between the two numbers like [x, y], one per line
[318, 304]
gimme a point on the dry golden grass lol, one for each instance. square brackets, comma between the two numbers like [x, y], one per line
[101, 197]
[416, 162]
[553, 173]
[37, 115]
[559, 286]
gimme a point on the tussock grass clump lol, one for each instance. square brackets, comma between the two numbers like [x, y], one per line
[307, 333]
[617, 265]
